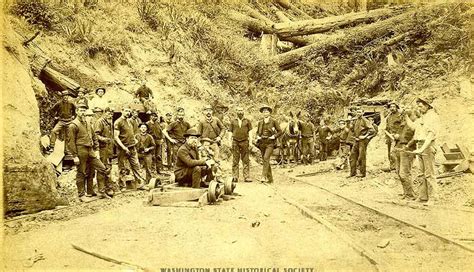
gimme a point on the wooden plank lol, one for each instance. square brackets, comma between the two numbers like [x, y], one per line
[159, 198]
[445, 148]
[453, 156]
[453, 162]
[464, 151]
[58, 153]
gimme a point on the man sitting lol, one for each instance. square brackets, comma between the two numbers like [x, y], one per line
[190, 168]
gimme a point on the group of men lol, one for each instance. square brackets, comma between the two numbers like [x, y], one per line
[410, 134]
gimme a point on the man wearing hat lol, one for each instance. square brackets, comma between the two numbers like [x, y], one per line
[81, 98]
[125, 139]
[307, 140]
[169, 146]
[174, 133]
[362, 131]
[342, 133]
[190, 168]
[104, 132]
[240, 128]
[64, 110]
[156, 131]
[393, 124]
[99, 101]
[268, 130]
[84, 148]
[212, 128]
[426, 131]
[146, 149]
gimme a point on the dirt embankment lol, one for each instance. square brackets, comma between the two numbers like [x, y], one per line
[29, 181]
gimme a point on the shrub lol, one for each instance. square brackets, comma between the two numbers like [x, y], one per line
[36, 13]
[112, 46]
[147, 10]
[79, 31]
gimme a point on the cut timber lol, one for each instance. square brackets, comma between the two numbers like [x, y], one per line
[57, 80]
[352, 37]
[287, 5]
[269, 44]
[58, 153]
[257, 15]
[281, 16]
[159, 198]
[314, 26]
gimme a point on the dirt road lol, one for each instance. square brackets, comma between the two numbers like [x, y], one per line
[212, 236]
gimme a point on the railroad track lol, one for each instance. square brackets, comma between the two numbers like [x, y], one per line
[387, 242]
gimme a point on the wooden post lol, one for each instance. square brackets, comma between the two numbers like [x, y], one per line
[268, 44]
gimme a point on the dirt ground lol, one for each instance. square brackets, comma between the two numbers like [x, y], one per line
[222, 235]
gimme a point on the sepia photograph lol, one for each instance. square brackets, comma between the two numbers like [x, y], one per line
[237, 135]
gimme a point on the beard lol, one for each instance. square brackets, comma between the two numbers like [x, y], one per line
[240, 115]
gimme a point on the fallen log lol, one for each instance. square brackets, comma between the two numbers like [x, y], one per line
[281, 16]
[257, 15]
[287, 5]
[352, 37]
[314, 26]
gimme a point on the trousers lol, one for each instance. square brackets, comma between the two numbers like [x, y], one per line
[267, 150]
[427, 173]
[88, 163]
[403, 164]
[194, 175]
[240, 151]
[132, 159]
[307, 147]
[358, 157]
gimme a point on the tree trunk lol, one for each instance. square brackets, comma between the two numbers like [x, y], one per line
[281, 16]
[57, 81]
[287, 5]
[360, 35]
[269, 44]
[314, 26]
[257, 15]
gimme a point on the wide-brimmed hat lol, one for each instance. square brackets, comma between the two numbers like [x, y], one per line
[425, 101]
[100, 88]
[207, 107]
[65, 92]
[97, 109]
[192, 132]
[265, 107]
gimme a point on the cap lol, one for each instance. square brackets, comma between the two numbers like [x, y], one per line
[82, 105]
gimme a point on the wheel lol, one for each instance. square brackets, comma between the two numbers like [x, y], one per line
[228, 186]
[213, 192]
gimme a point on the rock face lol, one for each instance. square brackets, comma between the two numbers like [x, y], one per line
[28, 179]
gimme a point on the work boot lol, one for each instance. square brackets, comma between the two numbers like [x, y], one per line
[103, 195]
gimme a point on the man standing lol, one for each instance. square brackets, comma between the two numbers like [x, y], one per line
[125, 139]
[325, 134]
[146, 149]
[135, 121]
[64, 110]
[403, 151]
[267, 133]
[98, 101]
[426, 131]
[240, 128]
[81, 98]
[190, 168]
[307, 140]
[156, 132]
[393, 124]
[361, 130]
[169, 146]
[212, 128]
[344, 146]
[175, 132]
[104, 131]
[84, 146]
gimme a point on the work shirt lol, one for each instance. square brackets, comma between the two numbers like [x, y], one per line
[394, 122]
[211, 128]
[323, 132]
[144, 141]
[427, 123]
[177, 129]
[342, 133]
[98, 102]
[81, 133]
[125, 128]
[269, 128]
[240, 129]
[362, 127]
[135, 121]
[307, 129]
[156, 130]
[65, 110]
[105, 133]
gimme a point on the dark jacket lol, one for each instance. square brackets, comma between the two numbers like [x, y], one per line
[188, 157]
[240, 133]
[105, 134]
[66, 110]
[212, 129]
[81, 134]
